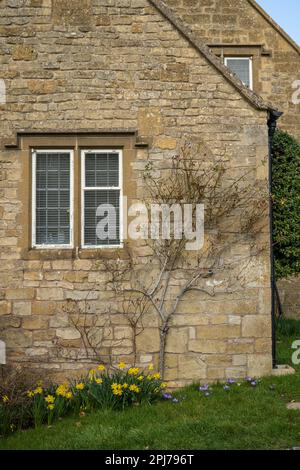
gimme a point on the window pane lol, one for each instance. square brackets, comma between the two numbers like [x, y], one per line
[241, 67]
[101, 169]
[41, 199]
[41, 179]
[64, 179]
[53, 199]
[109, 220]
[41, 218]
[64, 199]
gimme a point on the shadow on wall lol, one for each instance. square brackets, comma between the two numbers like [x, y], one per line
[2, 353]
[289, 295]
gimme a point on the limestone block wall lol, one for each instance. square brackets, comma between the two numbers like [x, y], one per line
[120, 65]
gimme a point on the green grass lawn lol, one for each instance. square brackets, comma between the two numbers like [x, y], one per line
[242, 418]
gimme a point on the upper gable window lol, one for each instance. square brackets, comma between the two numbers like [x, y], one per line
[242, 67]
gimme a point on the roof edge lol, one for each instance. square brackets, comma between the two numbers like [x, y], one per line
[275, 25]
[252, 97]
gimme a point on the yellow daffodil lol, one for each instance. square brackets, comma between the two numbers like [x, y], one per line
[69, 395]
[133, 371]
[134, 388]
[125, 386]
[116, 385]
[156, 376]
[49, 399]
[151, 367]
[50, 407]
[5, 399]
[30, 393]
[92, 373]
[38, 391]
[80, 386]
[140, 378]
[101, 367]
[117, 389]
[122, 365]
[61, 390]
[163, 385]
[99, 381]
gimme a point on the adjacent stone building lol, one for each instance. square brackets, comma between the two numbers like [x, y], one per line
[242, 29]
[120, 83]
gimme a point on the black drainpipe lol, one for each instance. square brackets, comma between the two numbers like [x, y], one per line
[272, 124]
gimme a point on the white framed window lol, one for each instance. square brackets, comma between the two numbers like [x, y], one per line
[101, 198]
[52, 198]
[242, 67]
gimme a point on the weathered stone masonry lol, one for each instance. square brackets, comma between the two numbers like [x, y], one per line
[98, 66]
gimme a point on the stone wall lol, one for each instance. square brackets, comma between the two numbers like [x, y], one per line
[276, 62]
[121, 65]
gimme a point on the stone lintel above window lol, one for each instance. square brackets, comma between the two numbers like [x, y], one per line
[239, 49]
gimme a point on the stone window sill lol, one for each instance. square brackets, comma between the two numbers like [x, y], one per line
[73, 253]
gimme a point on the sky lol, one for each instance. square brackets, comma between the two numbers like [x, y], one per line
[286, 13]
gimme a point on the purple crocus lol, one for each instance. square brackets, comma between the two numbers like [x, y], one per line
[204, 388]
[167, 396]
[226, 387]
[248, 379]
[175, 400]
[231, 381]
[207, 394]
[254, 383]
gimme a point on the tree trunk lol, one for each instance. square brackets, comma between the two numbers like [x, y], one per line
[162, 348]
